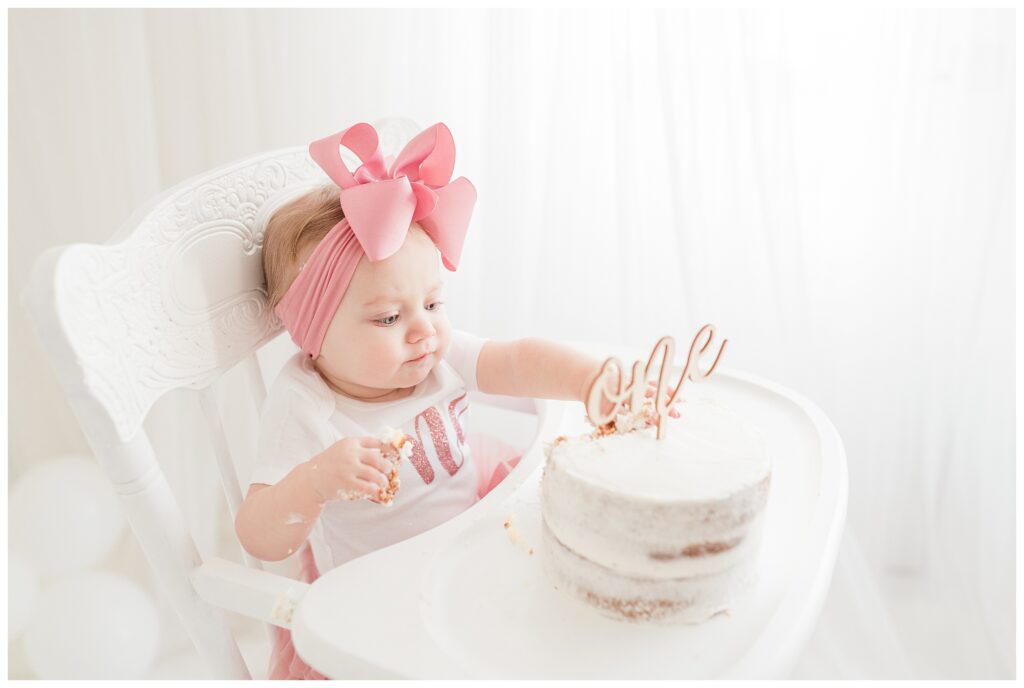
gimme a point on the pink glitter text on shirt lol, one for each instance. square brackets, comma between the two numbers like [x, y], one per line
[451, 460]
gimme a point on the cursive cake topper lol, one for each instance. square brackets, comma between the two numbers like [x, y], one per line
[608, 387]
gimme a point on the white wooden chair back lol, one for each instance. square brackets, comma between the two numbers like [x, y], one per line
[174, 300]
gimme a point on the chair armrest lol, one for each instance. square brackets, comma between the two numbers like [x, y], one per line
[257, 594]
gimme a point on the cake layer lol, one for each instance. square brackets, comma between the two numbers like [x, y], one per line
[668, 601]
[706, 454]
[653, 541]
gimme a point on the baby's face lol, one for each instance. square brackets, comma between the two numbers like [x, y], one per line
[388, 319]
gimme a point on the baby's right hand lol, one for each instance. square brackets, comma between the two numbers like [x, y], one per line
[349, 469]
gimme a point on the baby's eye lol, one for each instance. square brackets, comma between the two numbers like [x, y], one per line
[392, 319]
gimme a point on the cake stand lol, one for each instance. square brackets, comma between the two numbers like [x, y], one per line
[469, 599]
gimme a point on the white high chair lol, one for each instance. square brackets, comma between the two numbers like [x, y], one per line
[175, 300]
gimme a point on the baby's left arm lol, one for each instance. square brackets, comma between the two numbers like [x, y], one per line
[544, 370]
[535, 367]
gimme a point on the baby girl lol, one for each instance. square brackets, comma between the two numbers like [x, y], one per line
[356, 283]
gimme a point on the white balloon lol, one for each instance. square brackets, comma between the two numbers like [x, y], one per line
[64, 515]
[93, 625]
[21, 594]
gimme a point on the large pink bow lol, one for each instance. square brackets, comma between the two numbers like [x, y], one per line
[380, 203]
[379, 206]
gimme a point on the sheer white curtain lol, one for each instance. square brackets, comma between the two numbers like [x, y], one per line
[833, 190]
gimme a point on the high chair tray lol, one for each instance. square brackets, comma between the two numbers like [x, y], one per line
[468, 599]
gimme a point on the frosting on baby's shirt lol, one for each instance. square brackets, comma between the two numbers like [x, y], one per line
[302, 416]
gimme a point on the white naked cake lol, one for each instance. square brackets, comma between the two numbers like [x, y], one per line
[647, 529]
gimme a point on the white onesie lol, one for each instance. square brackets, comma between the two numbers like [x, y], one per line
[302, 416]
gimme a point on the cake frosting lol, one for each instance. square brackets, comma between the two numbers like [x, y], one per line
[656, 529]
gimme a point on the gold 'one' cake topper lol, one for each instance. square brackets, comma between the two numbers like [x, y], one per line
[631, 396]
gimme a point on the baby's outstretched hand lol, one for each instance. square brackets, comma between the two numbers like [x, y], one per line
[652, 388]
[352, 468]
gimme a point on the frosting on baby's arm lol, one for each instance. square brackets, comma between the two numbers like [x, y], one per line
[274, 520]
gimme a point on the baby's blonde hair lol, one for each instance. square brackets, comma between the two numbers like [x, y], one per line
[297, 224]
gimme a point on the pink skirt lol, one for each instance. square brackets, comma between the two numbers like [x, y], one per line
[494, 459]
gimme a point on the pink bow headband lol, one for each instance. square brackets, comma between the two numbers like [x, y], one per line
[379, 205]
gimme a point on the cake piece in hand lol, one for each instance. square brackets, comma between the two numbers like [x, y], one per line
[397, 446]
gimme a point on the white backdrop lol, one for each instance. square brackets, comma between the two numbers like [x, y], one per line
[833, 190]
